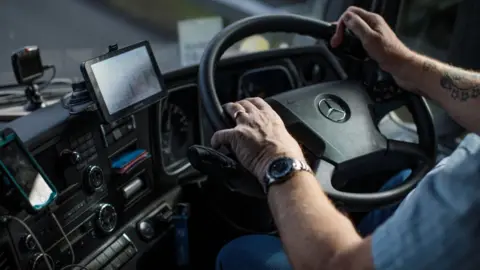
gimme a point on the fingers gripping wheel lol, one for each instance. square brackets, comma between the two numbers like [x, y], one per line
[354, 145]
[351, 46]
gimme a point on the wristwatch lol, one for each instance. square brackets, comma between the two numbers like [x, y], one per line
[281, 170]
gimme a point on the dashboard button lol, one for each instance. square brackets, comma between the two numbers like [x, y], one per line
[70, 157]
[130, 251]
[109, 253]
[102, 259]
[109, 267]
[90, 143]
[116, 263]
[116, 247]
[117, 134]
[94, 265]
[123, 258]
[91, 151]
[82, 147]
[74, 144]
[85, 156]
[122, 241]
[146, 230]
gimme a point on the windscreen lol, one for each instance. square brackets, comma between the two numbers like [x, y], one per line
[126, 79]
[25, 174]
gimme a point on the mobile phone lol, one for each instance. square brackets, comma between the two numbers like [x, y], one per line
[21, 170]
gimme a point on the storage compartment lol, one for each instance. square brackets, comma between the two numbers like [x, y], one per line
[134, 182]
[126, 160]
[134, 189]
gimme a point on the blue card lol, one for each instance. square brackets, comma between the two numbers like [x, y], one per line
[126, 158]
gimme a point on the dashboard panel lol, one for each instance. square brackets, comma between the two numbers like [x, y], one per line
[179, 127]
[105, 213]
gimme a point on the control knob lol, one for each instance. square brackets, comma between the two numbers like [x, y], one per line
[146, 229]
[93, 178]
[28, 243]
[70, 157]
[106, 218]
[38, 261]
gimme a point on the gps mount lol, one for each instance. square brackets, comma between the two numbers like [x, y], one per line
[34, 98]
[28, 68]
[79, 100]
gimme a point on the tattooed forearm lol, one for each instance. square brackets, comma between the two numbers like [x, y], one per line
[461, 87]
[428, 66]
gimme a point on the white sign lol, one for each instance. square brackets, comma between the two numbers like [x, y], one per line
[194, 35]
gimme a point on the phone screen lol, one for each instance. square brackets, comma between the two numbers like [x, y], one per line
[25, 173]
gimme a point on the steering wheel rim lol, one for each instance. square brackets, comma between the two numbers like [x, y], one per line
[425, 152]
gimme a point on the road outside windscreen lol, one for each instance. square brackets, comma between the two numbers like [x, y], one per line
[69, 32]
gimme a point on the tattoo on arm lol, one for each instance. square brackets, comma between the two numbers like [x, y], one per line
[462, 87]
[428, 66]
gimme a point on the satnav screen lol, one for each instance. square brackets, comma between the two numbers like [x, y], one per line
[126, 79]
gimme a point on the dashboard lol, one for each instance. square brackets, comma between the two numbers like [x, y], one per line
[113, 219]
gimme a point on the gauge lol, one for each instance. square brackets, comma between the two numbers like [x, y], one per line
[265, 82]
[251, 89]
[177, 135]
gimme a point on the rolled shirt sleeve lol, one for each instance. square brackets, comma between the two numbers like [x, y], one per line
[438, 225]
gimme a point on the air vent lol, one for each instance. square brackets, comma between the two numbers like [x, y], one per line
[6, 259]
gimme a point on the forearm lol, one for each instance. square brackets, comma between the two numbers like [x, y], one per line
[455, 89]
[313, 232]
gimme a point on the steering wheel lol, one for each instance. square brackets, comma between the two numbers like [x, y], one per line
[336, 121]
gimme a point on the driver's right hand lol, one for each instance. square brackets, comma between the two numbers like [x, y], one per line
[378, 39]
[259, 137]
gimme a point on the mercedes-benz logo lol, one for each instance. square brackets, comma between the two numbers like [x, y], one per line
[333, 110]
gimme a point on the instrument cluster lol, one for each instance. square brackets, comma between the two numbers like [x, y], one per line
[179, 126]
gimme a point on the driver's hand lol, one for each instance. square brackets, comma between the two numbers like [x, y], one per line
[259, 136]
[378, 39]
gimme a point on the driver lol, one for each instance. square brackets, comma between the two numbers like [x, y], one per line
[436, 227]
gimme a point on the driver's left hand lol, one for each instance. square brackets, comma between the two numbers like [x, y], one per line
[259, 136]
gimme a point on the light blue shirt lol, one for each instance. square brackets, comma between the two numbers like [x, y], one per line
[438, 225]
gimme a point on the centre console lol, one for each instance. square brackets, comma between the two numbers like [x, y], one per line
[113, 200]
[109, 217]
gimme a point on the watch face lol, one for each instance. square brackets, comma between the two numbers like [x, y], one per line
[281, 168]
